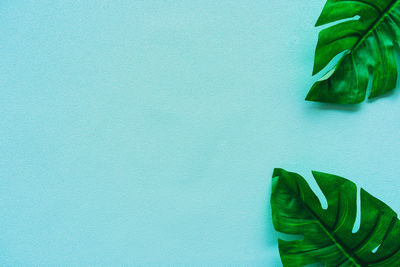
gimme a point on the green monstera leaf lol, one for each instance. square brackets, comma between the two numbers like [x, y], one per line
[328, 236]
[368, 42]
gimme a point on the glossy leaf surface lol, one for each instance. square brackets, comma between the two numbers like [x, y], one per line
[327, 234]
[368, 42]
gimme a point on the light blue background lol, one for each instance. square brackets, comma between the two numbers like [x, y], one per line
[145, 132]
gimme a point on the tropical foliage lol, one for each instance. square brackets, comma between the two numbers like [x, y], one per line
[368, 43]
[327, 234]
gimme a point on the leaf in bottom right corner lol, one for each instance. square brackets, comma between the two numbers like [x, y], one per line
[328, 236]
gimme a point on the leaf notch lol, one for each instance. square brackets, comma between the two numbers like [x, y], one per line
[328, 236]
[369, 44]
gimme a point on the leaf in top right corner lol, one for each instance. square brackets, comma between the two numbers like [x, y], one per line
[367, 36]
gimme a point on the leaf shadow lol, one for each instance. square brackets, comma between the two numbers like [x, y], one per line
[390, 94]
[352, 108]
[270, 235]
[349, 108]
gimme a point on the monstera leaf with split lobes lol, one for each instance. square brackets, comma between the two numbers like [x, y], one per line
[368, 42]
[328, 233]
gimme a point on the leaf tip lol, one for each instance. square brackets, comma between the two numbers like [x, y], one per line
[314, 71]
[276, 172]
[315, 172]
[310, 96]
[319, 22]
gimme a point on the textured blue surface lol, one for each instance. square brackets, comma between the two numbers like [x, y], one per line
[145, 132]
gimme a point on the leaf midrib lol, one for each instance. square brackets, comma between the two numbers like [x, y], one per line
[358, 262]
[375, 24]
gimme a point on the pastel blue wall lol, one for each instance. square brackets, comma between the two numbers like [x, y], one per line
[145, 132]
